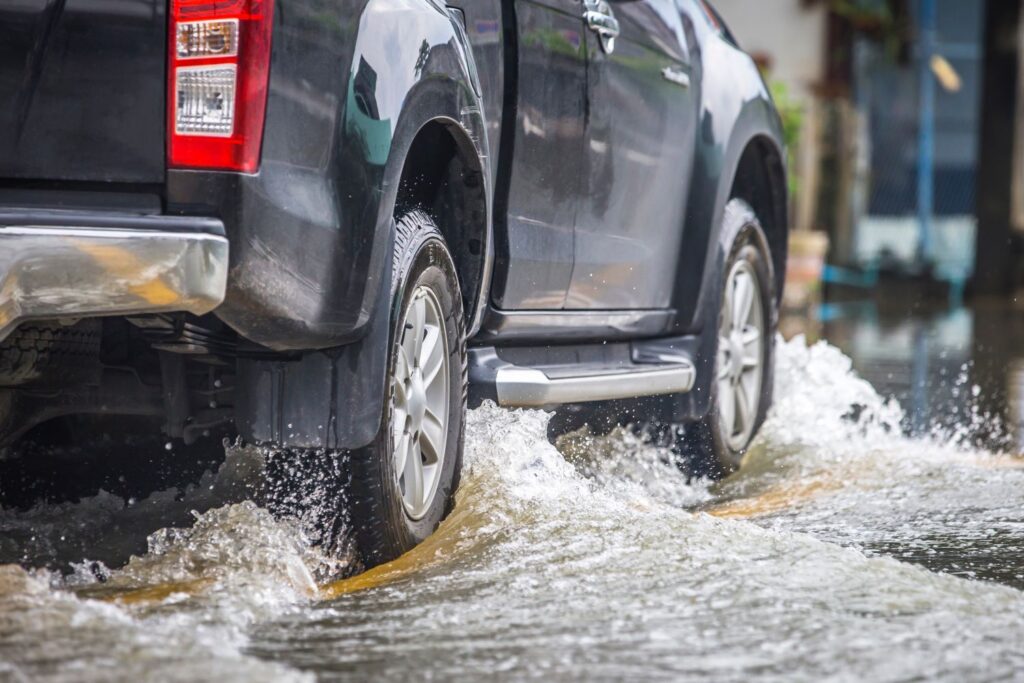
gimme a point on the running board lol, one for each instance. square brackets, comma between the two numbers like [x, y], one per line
[534, 386]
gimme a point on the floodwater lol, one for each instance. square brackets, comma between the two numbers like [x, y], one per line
[860, 541]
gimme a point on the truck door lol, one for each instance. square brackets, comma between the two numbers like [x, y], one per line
[534, 264]
[639, 150]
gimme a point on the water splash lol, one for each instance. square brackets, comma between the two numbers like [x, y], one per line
[547, 572]
[179, 611]
[833, 461]
[624, 459]
[177, 614]
[591, 565]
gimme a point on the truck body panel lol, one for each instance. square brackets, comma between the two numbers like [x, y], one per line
[581, 185]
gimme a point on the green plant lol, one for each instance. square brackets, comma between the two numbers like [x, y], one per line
[876, 19]
[792, 114]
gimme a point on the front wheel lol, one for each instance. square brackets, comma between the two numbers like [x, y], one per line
[741, 387]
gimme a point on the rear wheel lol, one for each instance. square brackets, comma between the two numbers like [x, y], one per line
[385, 499]
[403, 484]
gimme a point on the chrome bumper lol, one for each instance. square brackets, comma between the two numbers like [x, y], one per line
[163, 264]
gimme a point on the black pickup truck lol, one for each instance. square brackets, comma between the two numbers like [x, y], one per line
[328, 225]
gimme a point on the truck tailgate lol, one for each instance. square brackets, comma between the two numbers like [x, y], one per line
[83, 89]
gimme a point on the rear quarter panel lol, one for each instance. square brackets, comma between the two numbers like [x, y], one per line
[352, 81]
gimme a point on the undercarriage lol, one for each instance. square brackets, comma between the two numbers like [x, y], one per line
[177, 369]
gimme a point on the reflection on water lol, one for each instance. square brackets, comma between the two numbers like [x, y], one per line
[954, 369]
[843, 548]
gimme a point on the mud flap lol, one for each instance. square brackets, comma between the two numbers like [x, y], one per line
[322, 399]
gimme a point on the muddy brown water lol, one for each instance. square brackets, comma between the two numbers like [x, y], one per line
[844, 549]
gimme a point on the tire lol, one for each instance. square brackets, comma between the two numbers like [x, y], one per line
[50, 352]
[743, 370]
[423, 421]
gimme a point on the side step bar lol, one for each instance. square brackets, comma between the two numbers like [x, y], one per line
[519, 386]
[528, 387]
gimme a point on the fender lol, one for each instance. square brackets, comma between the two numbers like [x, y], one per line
[750, 126]
[411, 65]
[701, 312]
[729, 120]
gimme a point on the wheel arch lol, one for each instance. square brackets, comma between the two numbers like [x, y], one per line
[444, 175]
[739, 153]
[760, 181]
[739, 156]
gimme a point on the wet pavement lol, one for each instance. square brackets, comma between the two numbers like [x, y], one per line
[865, 538]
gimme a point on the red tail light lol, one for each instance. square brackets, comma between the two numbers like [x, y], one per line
[217, 83]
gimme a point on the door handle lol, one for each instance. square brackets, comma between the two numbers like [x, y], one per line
[601, 20]
[676, 75]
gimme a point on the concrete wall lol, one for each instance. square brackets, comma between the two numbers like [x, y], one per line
[792, 36]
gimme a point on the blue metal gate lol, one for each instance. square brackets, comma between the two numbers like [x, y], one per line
[917, 181]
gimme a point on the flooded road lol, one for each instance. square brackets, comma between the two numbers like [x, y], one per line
[843, 549]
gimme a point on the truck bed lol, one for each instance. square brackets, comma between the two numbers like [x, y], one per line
[83, 90]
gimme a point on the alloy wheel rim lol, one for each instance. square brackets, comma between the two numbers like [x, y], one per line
[420, 394]
[740, 355]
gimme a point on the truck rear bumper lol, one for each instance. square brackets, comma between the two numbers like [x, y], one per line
[64, 264]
